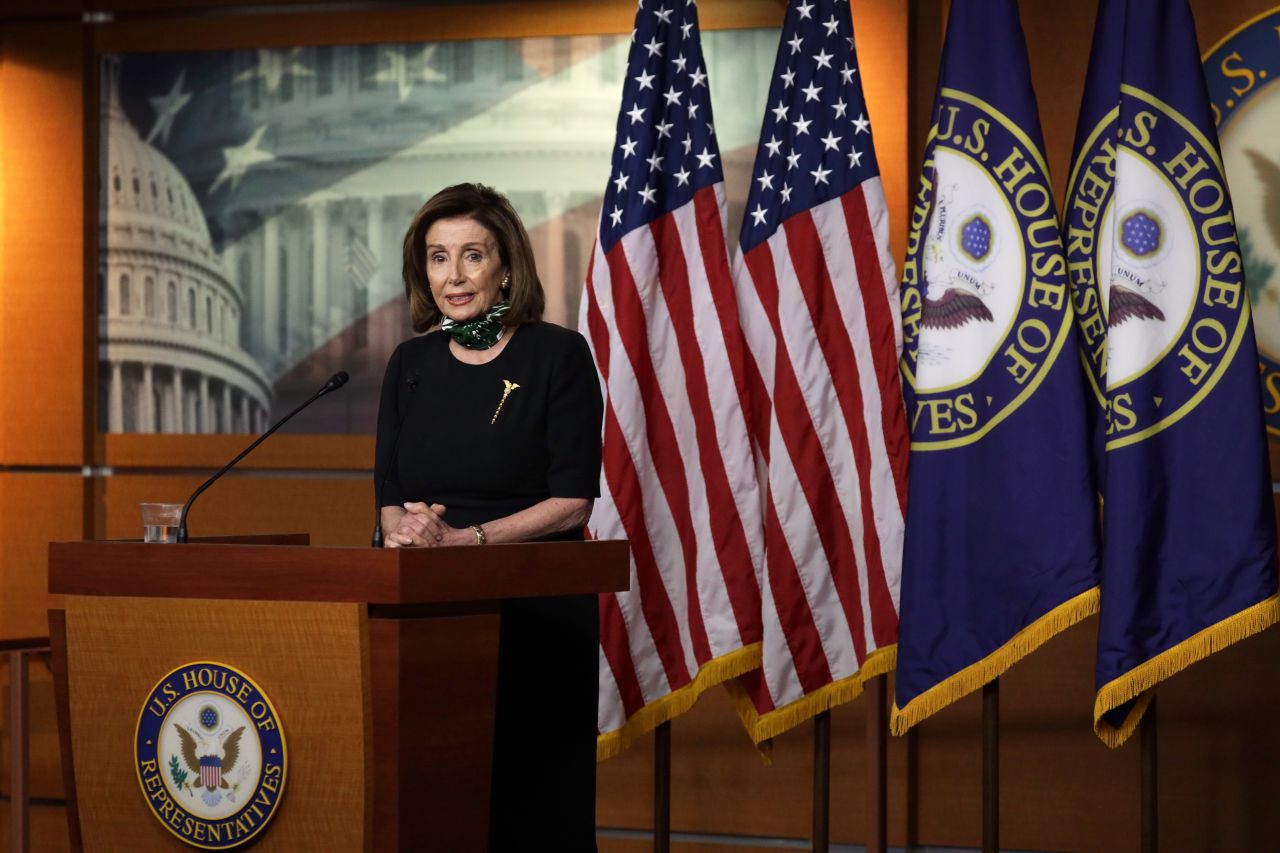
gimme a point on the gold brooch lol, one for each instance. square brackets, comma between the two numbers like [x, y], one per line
[508, 387]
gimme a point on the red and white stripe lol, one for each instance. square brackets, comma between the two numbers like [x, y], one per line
[210, 775]
[678, 480]
[819, 308]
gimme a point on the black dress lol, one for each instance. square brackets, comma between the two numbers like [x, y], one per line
[484, 457]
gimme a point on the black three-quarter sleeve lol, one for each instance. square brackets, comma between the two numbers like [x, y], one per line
[575, 412]
[385, 477]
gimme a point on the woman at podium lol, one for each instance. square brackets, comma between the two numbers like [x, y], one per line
[489, 431]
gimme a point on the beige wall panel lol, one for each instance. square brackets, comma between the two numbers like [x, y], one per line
[333, 511]
[42, 300]
[310, 660]
[34, 509]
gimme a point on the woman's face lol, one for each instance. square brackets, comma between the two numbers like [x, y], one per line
[464, 268]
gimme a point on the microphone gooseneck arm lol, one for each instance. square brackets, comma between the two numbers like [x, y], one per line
[335, 382]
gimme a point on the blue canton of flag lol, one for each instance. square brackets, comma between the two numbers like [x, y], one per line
[819, 137]
[666, 146]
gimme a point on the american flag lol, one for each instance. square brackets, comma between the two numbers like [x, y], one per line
[678, 478]
[819, 305]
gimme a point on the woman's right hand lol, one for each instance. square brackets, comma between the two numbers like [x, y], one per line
[420, 525]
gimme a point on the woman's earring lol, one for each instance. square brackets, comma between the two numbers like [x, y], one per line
[506, 283]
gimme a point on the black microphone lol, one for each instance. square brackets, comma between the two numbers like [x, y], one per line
[335, 382]
[412, 382]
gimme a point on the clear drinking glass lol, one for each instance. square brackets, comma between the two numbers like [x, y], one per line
[160, 522]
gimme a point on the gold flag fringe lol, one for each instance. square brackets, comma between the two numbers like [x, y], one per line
[976, 674]
[1137, 682]
[762, 727]
[675, 703]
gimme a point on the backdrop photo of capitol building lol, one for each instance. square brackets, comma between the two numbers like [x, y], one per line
[253, 205]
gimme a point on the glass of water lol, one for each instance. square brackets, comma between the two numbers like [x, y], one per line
[160, 522]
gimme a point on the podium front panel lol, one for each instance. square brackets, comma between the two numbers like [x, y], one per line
[309, 658]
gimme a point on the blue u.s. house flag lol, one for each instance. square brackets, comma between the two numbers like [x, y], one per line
[1001, 545]
[1165, 333]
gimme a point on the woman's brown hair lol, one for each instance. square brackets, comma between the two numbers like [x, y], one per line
[492, 210]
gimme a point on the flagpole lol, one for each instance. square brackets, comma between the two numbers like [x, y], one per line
[662, 788]
[877, 760]
[822, 782]
[991, 766]
[1150, 780]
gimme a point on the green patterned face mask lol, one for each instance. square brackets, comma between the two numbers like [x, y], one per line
[480, 332]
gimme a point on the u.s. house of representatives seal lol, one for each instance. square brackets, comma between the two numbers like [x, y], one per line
[1242, 72]
[985, 306]
[210, 755]
[1156, 272]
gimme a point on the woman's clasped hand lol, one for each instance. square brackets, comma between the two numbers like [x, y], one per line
[423, 525]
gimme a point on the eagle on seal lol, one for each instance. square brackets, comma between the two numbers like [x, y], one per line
[200, 754]
[1129, 304]
[954, 308]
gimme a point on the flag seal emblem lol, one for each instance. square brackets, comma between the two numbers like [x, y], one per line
[985, 305]
[210, 755]
[1246, 110]
[1157, 278]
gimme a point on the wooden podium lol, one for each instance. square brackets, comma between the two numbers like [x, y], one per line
[381, 664]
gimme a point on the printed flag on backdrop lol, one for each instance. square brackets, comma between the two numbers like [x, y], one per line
[819, 305]
[1001, 548]
[678, 477]
[1189, 540]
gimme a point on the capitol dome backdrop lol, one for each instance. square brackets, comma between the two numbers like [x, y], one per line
[294, 174]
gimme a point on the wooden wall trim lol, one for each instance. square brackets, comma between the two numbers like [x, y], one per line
[439, 23]
[293, 452]
[90, 155]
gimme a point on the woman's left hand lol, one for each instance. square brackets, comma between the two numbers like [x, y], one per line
[424, 526]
